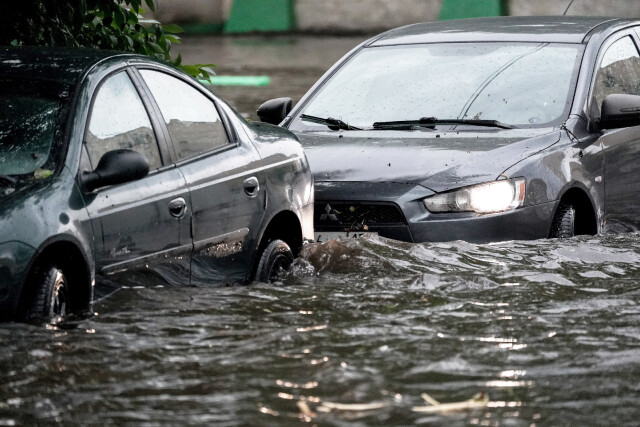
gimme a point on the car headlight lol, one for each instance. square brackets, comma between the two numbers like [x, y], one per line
[496, 196]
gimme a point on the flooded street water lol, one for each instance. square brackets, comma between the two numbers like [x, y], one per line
[549, 329]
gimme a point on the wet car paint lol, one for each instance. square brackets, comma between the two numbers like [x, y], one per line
[569, 159]
[428, 157]
[126, 234]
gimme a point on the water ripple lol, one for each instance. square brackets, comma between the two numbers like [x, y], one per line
[549, 329]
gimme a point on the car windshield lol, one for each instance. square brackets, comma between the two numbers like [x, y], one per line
[518, 84]
[31, 117]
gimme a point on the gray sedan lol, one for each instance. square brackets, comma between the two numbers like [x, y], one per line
[481, 130]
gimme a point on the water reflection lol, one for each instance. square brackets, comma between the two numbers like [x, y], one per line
[547, 329]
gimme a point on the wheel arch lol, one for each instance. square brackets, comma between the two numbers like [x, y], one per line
[586, 220]
[68, 254]
[284, 225]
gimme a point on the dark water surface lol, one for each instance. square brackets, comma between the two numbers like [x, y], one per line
[550, 330]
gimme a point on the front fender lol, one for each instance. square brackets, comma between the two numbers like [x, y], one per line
[563, 167]
[15, 261]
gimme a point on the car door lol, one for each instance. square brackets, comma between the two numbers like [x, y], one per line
[145, 224]
[225, 182]
[618, 72]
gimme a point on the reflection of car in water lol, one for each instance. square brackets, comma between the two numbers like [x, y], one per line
[120, 167]
[480, 130]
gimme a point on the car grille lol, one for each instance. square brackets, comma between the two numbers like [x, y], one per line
[356, 215]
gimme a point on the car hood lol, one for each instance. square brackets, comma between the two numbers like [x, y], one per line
[438, 161]
[16, 193]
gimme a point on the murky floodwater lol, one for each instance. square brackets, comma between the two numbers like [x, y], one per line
[550, 330]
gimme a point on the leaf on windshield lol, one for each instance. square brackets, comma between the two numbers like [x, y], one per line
[42, 173]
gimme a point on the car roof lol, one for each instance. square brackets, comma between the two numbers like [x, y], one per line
[560, 29]
[63, 65]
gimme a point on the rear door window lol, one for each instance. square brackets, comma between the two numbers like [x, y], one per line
[191, 117]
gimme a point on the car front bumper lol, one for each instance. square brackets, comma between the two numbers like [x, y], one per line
[370, 207]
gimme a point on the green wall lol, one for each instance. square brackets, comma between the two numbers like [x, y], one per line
[457, 9]
[260, 15]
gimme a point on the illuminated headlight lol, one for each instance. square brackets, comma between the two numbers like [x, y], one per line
[496, 196]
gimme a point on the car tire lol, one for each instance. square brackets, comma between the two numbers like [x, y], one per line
[564, 222]
[275, 258]
[50, 294]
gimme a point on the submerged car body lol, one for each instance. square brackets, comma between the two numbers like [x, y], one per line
[121, 168]
[480, 130]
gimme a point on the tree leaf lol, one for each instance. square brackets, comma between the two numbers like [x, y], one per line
[192, 70]
[119, 18]
[98, 24]
[207, 70]
[172, 28]
[156, 48]
[172, 38]
[129, 41]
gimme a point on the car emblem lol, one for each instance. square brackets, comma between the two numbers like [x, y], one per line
[329, 214]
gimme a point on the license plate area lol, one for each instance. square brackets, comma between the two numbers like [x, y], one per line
[324, 236]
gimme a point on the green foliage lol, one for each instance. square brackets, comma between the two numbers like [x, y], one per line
[100, 24]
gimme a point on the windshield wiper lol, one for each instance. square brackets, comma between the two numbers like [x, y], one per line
[331, 123]
[431, 121]
[8, 178]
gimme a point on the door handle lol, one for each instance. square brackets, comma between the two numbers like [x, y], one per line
[177, 207]
[251, 186]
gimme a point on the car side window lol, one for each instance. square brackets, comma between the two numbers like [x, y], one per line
[192, 119]
[120, 121]
[619, 72]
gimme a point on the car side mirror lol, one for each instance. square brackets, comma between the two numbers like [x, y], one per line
[619, 111]
[116, 167]
[275, 110]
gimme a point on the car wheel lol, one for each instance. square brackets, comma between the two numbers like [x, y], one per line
[275, 258]
[50, 294]
[564, 222]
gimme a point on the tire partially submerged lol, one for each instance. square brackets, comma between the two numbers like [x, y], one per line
[564, 222]
[50, 294]
[275, 258]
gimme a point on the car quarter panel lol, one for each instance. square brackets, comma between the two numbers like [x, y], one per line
[289, 180]
[225, 216]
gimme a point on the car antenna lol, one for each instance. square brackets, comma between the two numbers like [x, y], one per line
[567, 9]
